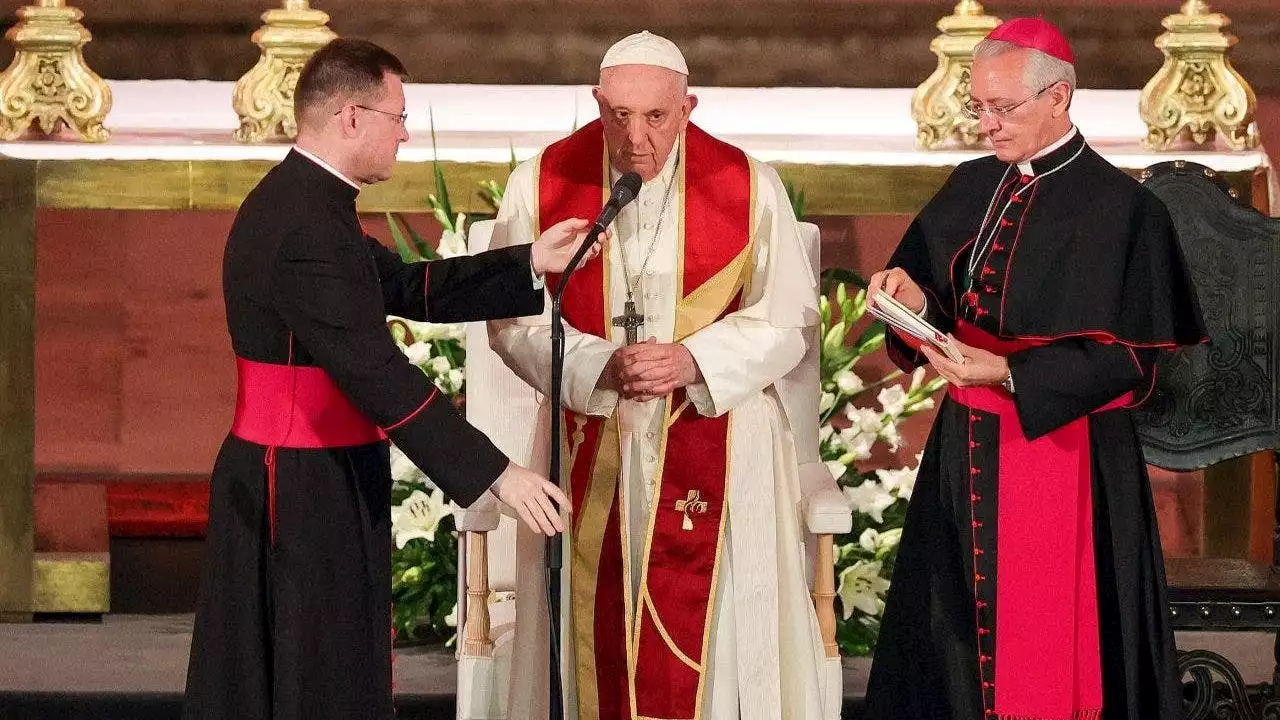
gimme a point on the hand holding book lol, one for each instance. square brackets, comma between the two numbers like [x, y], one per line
[907, 323]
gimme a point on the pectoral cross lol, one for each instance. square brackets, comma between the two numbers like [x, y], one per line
[693, 503]
[631, 321]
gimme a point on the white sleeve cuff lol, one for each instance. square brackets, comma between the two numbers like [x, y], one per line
[602, 402]
[700, 395]
[538, 282]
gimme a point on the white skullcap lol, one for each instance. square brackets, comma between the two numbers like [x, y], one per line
[645, 48]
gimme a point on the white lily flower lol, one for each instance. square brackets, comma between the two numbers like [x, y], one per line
[453, 381]
[826, 402]
[889, 433]
[870, 499]
[453, 244]
[864, 419]
[825, 432]
[917, 378]
[418, 517]
[439, 365]
[869, 539]
[901, 481]
[858, 442]
[452, 618]
[848, 382]
[888, 539]
[861, 587]
[403, 471]
[893, 400]
[418, 353]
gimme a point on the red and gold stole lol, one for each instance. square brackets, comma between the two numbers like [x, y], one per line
[650, 661]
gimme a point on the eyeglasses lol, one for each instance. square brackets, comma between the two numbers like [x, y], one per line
[400, 117]
[974, 109]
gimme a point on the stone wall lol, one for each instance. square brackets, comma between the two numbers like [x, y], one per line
[855, 43]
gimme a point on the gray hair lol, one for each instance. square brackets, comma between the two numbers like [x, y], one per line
[1042, 69]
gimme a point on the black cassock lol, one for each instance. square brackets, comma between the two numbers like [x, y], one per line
[294, 619]
[1084, 264]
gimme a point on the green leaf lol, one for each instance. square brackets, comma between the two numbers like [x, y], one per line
[424, 247]
[491, 192]
[872, 337]
[835, 336]
[796, 197]
[442, 207]
[407, 253]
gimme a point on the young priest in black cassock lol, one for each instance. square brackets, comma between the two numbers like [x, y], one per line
[1029, 583]
[294, 619]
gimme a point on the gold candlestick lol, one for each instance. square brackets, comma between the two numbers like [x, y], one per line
[48, 82]
[937, 104]
[264, 96]
[1197, 93]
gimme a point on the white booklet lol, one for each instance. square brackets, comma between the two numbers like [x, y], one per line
[901, 318]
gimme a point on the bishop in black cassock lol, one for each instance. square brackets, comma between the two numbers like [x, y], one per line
[1029, 583]
[295, 617]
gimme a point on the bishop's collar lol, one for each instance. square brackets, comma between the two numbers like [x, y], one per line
[1054, 155]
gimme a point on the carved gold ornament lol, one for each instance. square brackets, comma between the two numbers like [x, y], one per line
[1197, 93]
[48, 83]
[264, 96]
[937, 105]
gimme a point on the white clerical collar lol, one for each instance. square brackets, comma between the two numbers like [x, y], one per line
[1025, 166]
[313, 158]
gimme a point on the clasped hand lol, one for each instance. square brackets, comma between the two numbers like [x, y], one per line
[649, 370]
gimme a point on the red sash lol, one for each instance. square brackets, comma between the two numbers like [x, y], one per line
[296, 407]
[1047, 656]
[654, 667]
[287, 406]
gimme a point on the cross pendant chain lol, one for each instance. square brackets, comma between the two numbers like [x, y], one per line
[631, 321]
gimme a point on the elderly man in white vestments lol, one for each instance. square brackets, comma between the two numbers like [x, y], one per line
[687, 585]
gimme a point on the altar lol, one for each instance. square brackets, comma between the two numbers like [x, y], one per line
[851, 151]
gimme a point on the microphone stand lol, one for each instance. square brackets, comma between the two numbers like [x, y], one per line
[555, 543]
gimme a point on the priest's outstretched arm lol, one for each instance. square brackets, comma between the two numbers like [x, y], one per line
[499, 283]
[487, 285]
[329, 301]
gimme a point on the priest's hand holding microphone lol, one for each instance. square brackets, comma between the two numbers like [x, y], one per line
[980, 367]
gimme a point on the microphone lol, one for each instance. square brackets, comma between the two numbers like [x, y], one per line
[623, 192]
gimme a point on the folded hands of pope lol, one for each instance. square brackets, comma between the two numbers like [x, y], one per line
[980, 366]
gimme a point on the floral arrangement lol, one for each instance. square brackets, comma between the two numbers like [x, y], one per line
[849, 429]
[424, 561]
